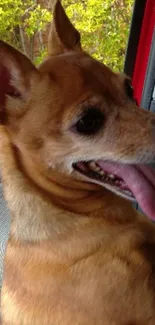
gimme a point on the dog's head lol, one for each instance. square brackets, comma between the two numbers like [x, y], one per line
[74, 115]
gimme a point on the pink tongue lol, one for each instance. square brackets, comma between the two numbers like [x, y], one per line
[140, 180]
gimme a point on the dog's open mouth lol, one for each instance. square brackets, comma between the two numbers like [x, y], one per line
[133, 182]
[110, 180]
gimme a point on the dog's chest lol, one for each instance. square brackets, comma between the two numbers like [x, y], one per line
[94, 288]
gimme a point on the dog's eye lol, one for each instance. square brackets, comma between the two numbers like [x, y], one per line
[129, 89]
[90, 123]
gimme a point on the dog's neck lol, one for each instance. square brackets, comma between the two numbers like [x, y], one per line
[47, 207]
[74, 195]
[64, 191]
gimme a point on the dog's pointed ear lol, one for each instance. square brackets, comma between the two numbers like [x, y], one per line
[63, 35]
[16, 72]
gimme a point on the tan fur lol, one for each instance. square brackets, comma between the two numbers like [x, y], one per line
[77, 253]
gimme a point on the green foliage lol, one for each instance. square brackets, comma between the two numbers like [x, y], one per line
[37, 20]
[20, 21]
[104, 26]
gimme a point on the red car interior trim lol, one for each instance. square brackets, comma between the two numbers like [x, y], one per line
[144, 49]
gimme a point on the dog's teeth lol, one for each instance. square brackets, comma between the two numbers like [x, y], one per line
[94, 167]
[111, 176]
[102, 173]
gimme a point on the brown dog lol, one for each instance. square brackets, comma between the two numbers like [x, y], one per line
[78, 253]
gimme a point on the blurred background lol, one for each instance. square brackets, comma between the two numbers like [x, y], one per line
[104, 25]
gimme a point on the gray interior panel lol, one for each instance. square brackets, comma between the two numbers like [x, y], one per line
[4, 230]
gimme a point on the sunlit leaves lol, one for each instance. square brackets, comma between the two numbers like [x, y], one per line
[104, 26]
